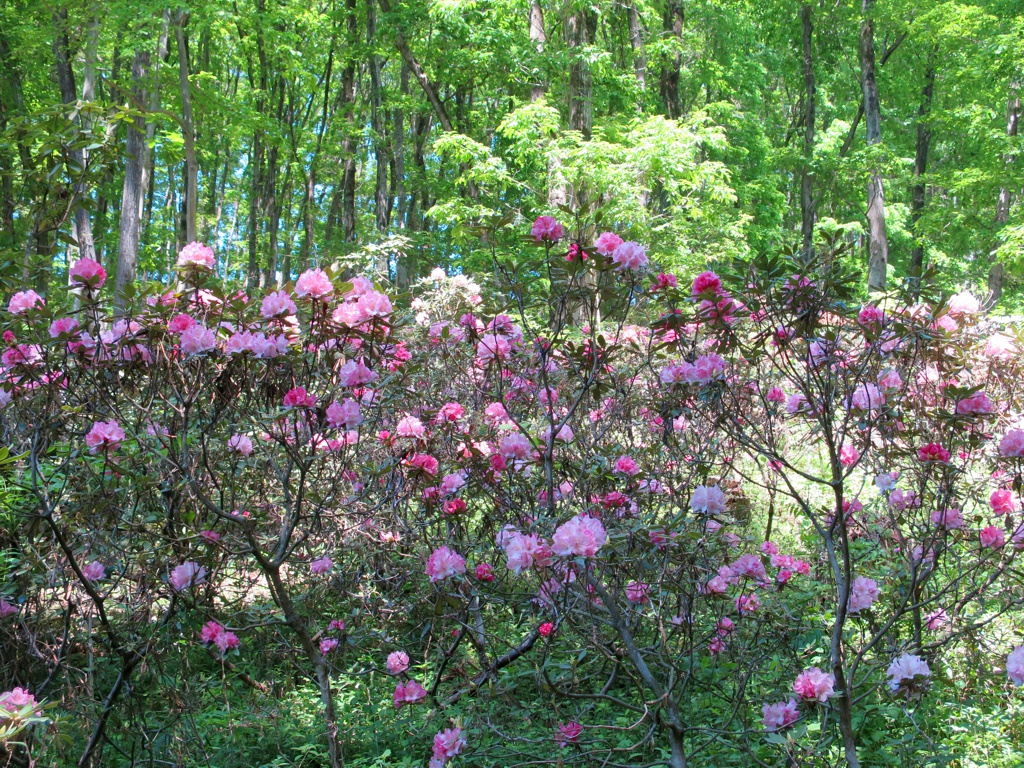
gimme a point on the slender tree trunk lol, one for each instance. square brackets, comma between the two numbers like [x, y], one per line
[538, 38]
[151, 98]
[878, 244]
[381, 198]
[807, 212]
[673, 64]
[131, 194]
[581, 105]
[636, 41]
[252, 267]
[69, 95]
[924, 138]
[996, 270]
[348, 145]
[191, 190]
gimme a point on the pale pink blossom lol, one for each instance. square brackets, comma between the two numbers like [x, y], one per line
[448, 744]
[607, 242]
[950, 519]
[979, 404]
[581, 536]
[344, 415]
[992, 537]
[186, 575]
[409, 692]
[374, 304]
[638, 593]
[327, 645]
[904, 671]
[241, 444]
[88, 273]
[410, 426]
[963, 303]
[196, 254]
[23, 301]
[277, 304]
[493, 347]
[94, 571]
[779, 715]
[356, 373]
[104, 436]
[15, 700]
[708, 499]
[814, 685]
[321, 565]
[863, 594]
[629, 255]
[1003, 502]
[867, 397]
[1015, 666]
[226, 641]
[1012, 444]
[63, 326]
[398, 662]
[314, 284]
[197, 339]
[444, 562]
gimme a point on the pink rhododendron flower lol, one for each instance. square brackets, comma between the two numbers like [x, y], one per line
[211, 631]
[444, 562]
[933, 452]
[63, 326]
[398, 662]
[638, 593]
[196, 255]
[870, 315]
[23, 301]
[904, 671]
[1015, 666]
[545, 228]
[344, 415]
[849, 455]
[321, 565]
[582, 536]
[493, 347]
[448, 744]
[314, 284]
[356, 373]
[1003, 502]
[94, 571]
[241, 444]
[277, 304]
[1012, 444]
[863, 594]
[327, 645]
[104, 436]
[779, 715]
[748, 603]
[186, 575]
[569, 733]
[423, 462]
[226, 641]
[979, 404]
[963, 303]
[299, 398]
[88, 273]
[706, 282]
[607, 242]
[867, 397]
[796, 403]
[629, 255]
[814, 685]
[936, 620]
[15, 700]
[708, 499]
[484, 572]
[409, 692]
[374, 304]
[950, 519]
[410, 426]
[992, 537]
[197, 339]
[6, 609]
[626, 465]
[210, 535]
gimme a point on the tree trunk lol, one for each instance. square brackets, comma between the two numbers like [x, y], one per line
[672, 66]
[131, 193]
[348, 145]
[381, 198]
[191, 190]
[537, 38]
[252, 267]
[807, 212]
[996, 270]
[636, 41]
[581, 106]
[924, 138]
[69, 95]
[878, 244]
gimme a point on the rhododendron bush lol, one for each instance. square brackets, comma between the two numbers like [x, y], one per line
[608, 517]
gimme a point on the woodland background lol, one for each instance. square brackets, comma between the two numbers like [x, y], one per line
[381, 134]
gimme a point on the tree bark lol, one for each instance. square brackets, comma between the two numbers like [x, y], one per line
[188, 128]
[69, 95]
[878, 244]
[924, 138]
[996, 270]
[538, 38]
[131, 193]
[381, 196]
[807, 212]
[671, 68]
[636, 41]
[581, 106]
